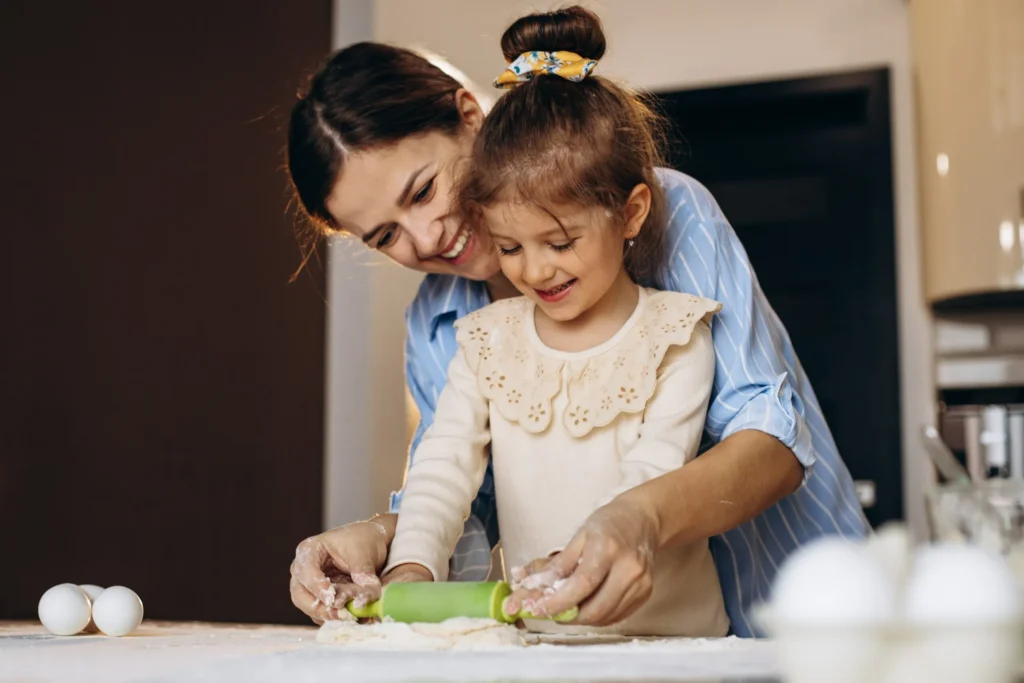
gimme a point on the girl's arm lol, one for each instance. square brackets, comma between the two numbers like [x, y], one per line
[445, 475]
[426, 368]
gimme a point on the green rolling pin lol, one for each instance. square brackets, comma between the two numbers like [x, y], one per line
[435, 602]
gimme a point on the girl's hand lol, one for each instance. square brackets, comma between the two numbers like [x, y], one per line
[607, 568]
[340, 565]
[408, 573]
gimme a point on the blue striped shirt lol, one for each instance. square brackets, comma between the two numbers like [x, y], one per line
[759, 384]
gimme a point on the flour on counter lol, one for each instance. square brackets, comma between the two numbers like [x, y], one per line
[453, 634]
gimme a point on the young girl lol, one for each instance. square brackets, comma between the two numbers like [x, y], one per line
[589, 384]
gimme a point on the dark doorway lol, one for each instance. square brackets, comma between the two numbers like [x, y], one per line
[161, 403]
[803, 170]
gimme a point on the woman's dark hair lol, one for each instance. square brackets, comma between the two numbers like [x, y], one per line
[551, 141]
[367, 95]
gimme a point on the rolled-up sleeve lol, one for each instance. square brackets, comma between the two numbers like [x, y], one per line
[755, 390]
[753, 387]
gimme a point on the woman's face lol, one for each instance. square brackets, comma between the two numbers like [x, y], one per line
[399, 200]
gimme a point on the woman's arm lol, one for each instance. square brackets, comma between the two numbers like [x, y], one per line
[732, 483]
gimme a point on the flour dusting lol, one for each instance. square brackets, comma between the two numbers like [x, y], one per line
[454, 634]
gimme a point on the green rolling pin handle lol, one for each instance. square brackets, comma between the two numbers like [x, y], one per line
[566, 616]
[501, 592]
[366, 611]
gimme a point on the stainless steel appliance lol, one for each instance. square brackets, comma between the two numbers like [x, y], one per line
[989, 438]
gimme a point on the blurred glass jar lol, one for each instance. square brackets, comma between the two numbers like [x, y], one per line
[989, 514]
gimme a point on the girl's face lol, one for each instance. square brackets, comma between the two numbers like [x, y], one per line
[566, 258]
[566, 261]
[398, 200]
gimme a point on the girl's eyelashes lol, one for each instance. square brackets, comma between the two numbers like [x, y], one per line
[509, 251]
[425, 192]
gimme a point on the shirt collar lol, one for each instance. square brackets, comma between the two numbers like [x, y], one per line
[455, 298]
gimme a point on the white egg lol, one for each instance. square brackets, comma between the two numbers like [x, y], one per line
[93, 591]
[963, 611]
[892, 548]
[118, 611]
[832, 581]
[958, 584]
[64, 609]
[831, 605]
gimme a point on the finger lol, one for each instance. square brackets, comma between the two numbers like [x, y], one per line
[564, 564]
[546, 578]
[367, 580]
[516, 602]
[307, 569]
[354, 562]
[305, 601]
[606, 600]
[635, 596]
[363, 555]
[346, 592]
[520, 574]
[528, 583]
[591, 571]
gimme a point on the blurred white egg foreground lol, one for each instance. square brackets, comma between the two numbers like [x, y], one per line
[846, 612]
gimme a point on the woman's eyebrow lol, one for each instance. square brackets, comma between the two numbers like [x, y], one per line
[408, 185]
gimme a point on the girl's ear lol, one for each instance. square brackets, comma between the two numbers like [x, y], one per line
[638, 206]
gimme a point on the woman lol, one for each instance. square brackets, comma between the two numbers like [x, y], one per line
[375, 148]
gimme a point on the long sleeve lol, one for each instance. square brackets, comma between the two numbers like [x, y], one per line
[673, 419]
[447, 470]
[429, 347]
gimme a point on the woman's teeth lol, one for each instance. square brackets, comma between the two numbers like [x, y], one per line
[460, 244]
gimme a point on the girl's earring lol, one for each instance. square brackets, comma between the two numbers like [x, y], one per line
[630, 243]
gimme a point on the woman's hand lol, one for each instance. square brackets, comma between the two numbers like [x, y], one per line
[340, 565]
[607, 568]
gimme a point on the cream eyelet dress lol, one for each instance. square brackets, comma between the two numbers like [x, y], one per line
[568, 432]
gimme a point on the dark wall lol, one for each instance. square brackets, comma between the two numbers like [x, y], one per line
[803, 170]
[161, 382]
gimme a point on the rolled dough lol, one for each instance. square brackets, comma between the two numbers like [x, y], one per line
[454, 634]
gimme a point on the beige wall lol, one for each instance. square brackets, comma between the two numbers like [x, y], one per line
[680, 43]
[364, 459]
